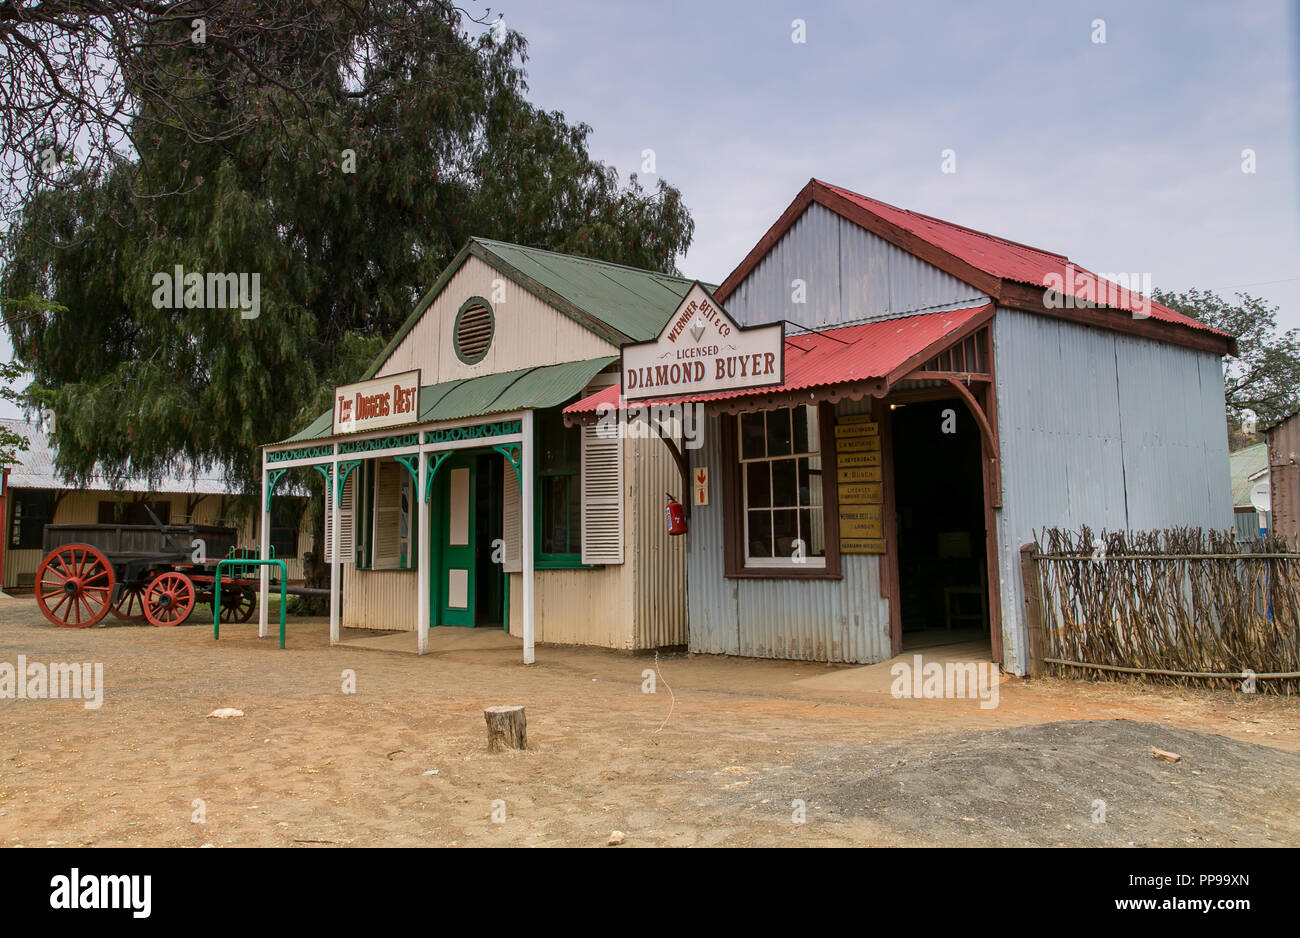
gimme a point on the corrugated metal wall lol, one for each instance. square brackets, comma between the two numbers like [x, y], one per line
[851, 275]
[1101, 429]
[819, 620]
[379, 599]
[635, 605]
[658, 561]
[1284, 478]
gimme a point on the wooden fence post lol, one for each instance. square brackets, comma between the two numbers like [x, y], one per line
[1033, 609]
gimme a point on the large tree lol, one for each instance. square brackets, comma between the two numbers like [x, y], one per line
[1262, 383]
[346, 202]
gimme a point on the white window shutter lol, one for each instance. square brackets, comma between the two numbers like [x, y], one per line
[511, 515]
[347, 527]
[602, 497]
[388, 514]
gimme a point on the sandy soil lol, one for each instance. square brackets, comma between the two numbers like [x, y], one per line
[403, 761]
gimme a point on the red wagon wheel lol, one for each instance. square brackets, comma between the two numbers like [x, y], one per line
[169, 598]
[74, 585]
[239, 607]
[130, 605]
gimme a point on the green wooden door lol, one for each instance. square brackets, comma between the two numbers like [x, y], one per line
[454, 547]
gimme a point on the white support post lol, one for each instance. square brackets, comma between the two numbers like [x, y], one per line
[526, 530]
[334, 552]
[263, 552]
[422, 571]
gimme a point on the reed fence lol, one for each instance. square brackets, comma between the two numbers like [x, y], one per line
[1183, 606]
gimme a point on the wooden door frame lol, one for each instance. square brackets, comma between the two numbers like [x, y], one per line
[986, 418]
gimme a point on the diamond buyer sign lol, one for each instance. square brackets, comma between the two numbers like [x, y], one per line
[703, 349]
[378, 403]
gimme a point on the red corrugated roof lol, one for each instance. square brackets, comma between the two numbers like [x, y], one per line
[834, 356]
[1010, 260]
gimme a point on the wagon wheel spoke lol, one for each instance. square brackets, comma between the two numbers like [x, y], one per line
[169, 599]
[75, 583]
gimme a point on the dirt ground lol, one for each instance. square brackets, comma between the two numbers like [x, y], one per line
[744, 753]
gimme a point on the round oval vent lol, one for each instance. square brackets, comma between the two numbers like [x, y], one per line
[473, 332]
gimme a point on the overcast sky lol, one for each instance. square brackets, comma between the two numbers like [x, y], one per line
[1126, 155]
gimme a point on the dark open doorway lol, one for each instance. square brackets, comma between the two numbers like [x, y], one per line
[939, 507]
[489, 580]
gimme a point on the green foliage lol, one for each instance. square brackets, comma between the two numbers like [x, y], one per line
[445, 145]
[1264, 378]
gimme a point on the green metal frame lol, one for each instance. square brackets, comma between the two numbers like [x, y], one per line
[514, 457]
[216, 599]
[273, 479]
[431, 470]
[345, 467]
[412, 464]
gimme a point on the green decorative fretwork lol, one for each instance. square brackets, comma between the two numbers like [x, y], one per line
[273, 477]
[514, 456]
[475, 432]
[305, 452]
[345, 470]
[379, 444]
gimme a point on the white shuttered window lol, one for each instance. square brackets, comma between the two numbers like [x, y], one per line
[602, 497]
[347, 521]
[511, 513]
[388, 514]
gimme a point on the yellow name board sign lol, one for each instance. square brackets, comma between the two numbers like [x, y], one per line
[860, 485]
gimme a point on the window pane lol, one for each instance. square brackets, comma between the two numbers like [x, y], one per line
[758, 480]
[785, 528]
[804, 493]
[778, 433]
[554, 514]
[575, 515]
[558, 446]
[800, 417]
[760, 534]
[751, 436]
[807, 435]
[784, 485]
[812, 532]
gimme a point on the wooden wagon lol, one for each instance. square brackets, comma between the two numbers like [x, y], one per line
[139, 572]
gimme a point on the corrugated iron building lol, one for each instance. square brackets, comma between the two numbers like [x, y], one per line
[1090, 406]
[504, 338]
[940, 394]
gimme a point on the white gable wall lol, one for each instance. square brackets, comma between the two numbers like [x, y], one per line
[528, 331]
[851, 275]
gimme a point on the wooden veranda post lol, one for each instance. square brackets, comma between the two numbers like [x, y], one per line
[1033, 609]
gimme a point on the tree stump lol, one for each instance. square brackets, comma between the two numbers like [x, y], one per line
[506, 728]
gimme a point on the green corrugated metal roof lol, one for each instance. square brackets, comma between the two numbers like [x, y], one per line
[536, 388]
[635, 302]
[1244, 463]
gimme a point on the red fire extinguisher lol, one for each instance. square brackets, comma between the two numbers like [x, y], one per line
[676, 516]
